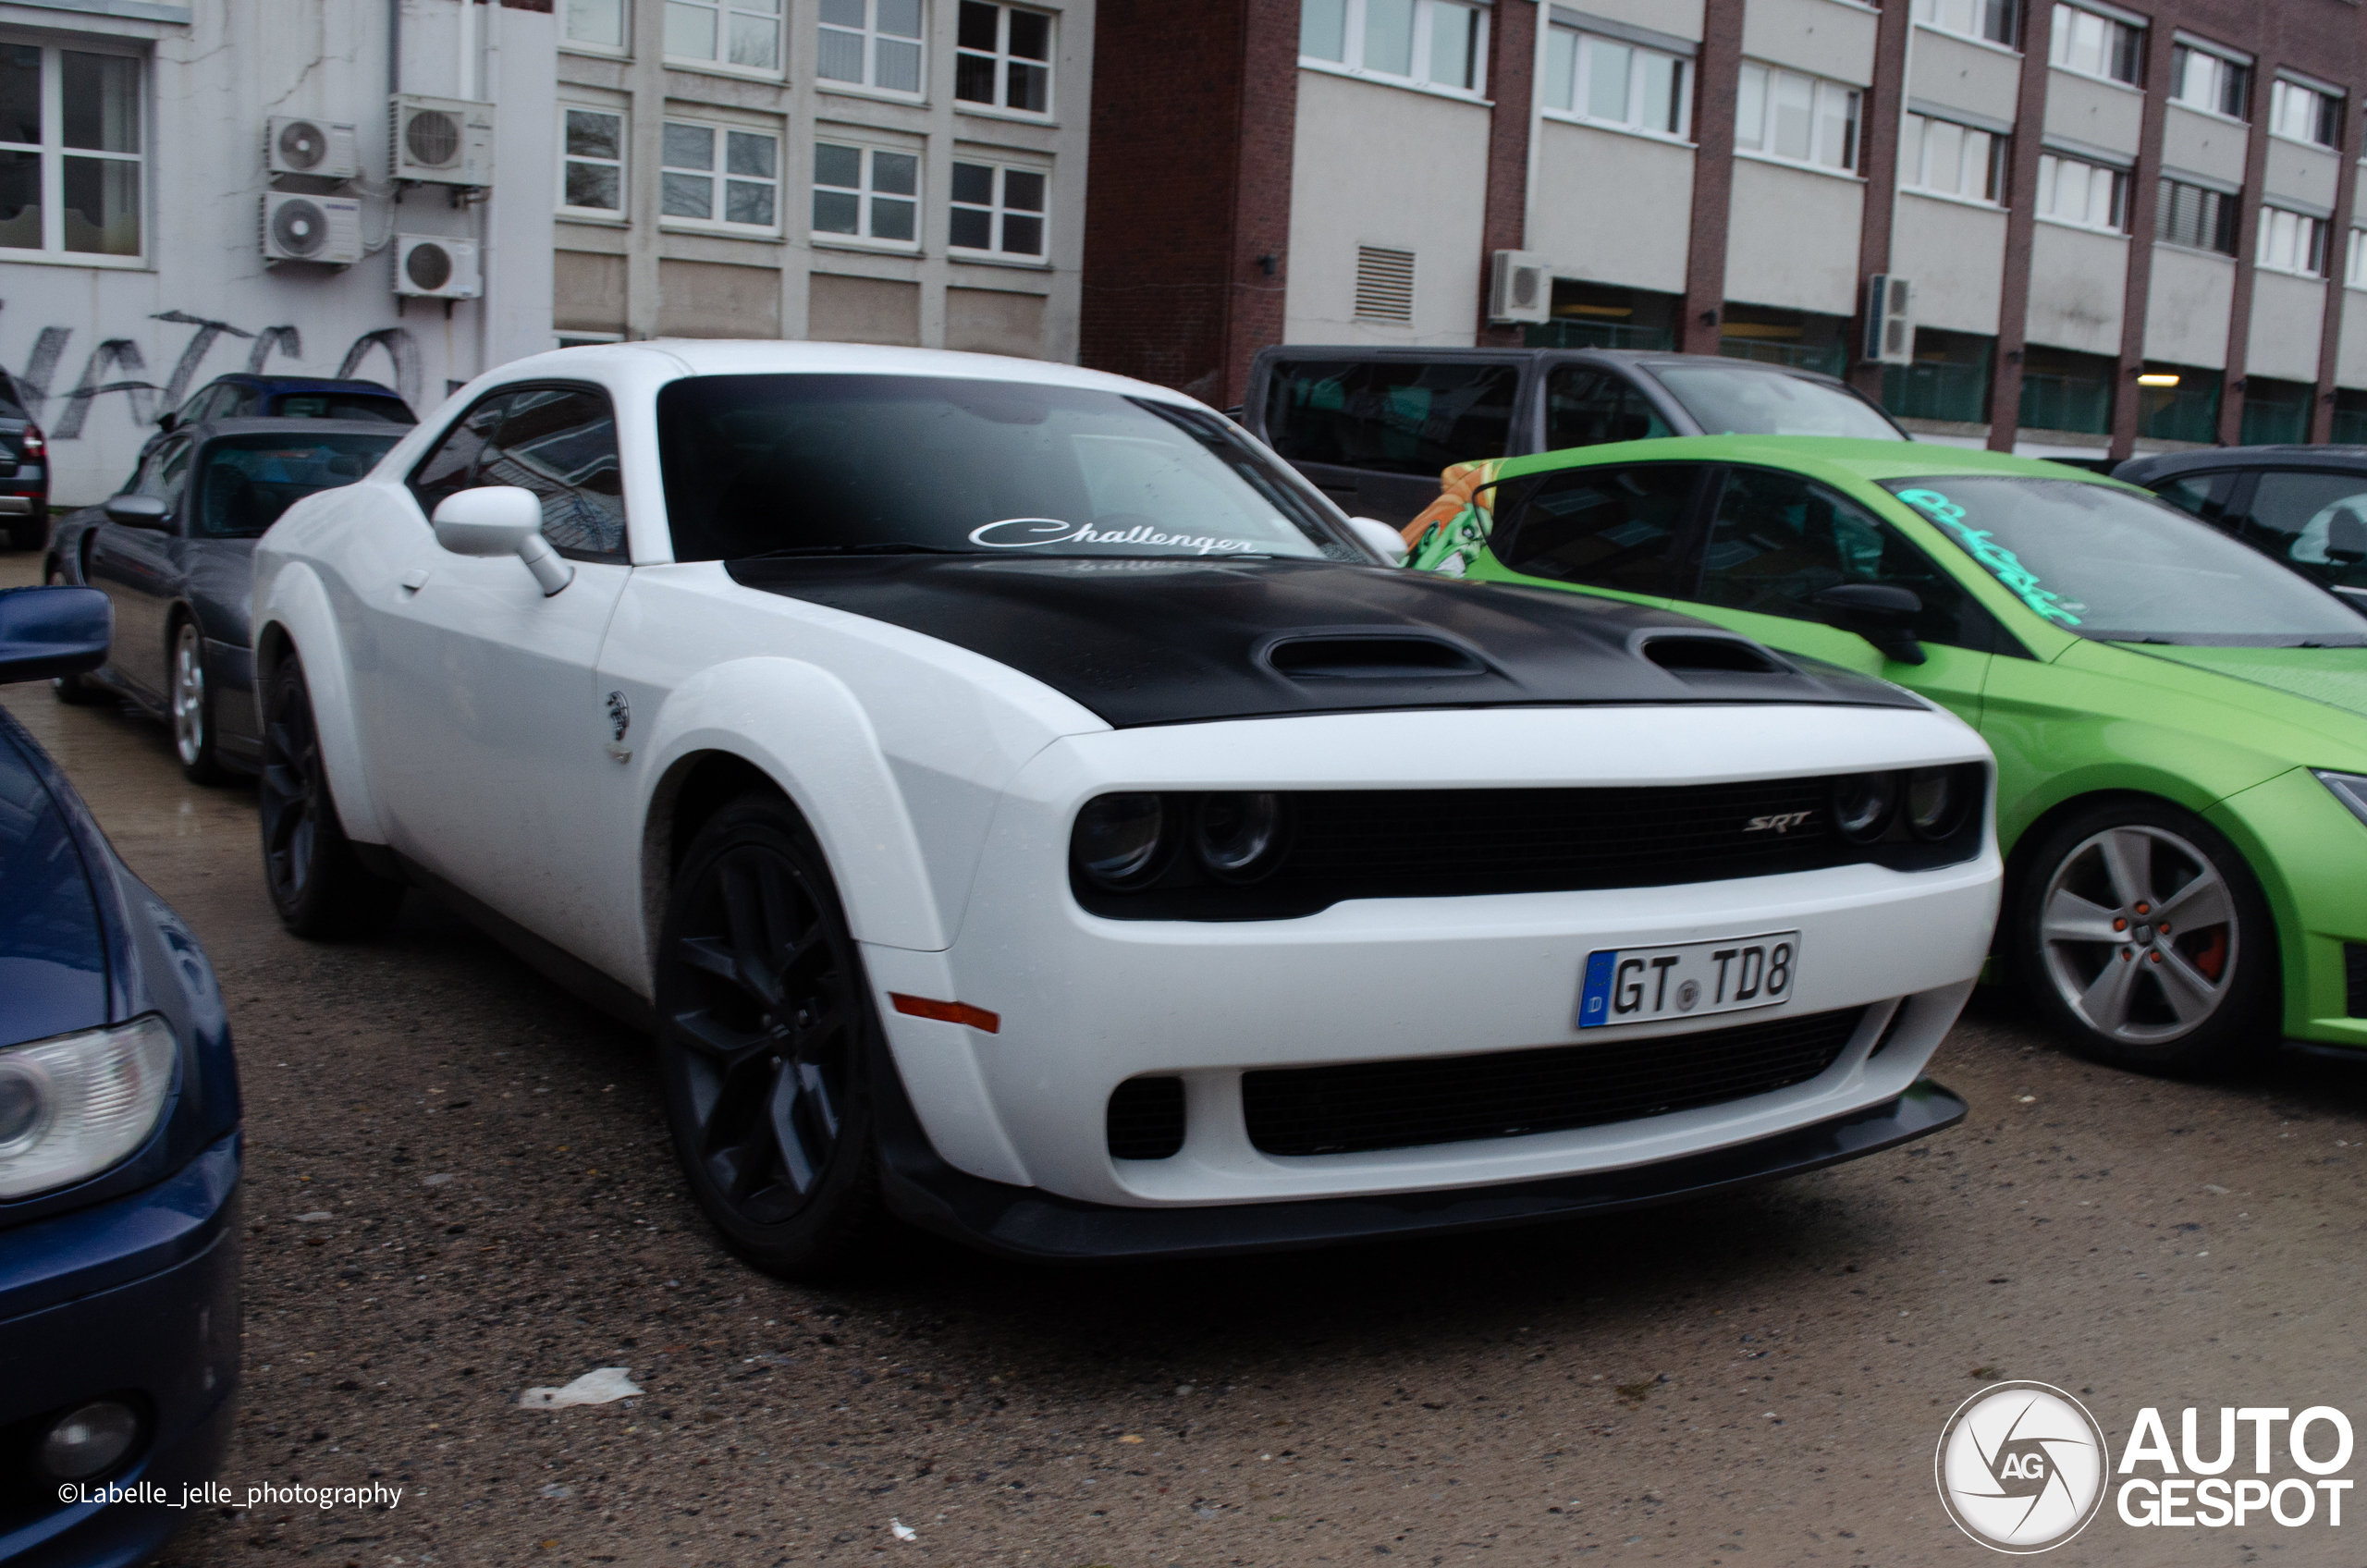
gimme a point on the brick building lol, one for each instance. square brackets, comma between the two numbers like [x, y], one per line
[2126, 229]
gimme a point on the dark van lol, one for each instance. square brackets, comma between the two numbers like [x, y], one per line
[1374, 427]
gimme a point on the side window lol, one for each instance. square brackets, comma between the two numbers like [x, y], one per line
[1390, 416]
[1587, 407]
[1778, 540]
[561, 444]
[2204, 494]
[1603, 527]
[2314, 521]
[451, 464]
[164, 473]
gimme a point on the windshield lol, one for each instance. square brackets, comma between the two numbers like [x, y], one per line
[1730, 400]
[2121, 567]
[250, 480]
[823, 464]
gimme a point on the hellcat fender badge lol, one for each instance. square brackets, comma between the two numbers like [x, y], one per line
[619, 720]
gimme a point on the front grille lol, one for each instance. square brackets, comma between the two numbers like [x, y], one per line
[1388, 1105]
[1430, 843]
[2354, 978]
[1147, 1118]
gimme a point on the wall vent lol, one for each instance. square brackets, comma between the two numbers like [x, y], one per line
[1384, 284]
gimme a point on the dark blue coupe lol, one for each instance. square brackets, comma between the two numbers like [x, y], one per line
[119, 1160]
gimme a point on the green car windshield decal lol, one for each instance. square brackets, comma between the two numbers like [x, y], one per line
[2001, 563]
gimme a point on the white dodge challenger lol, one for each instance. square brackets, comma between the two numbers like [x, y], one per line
[1022, 806]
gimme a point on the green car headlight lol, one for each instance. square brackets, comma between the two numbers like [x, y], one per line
[2351, 789]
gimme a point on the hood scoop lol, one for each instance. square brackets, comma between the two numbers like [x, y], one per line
[1686, 653]
[1382, 653]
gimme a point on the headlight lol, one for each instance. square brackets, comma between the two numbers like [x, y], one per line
[1861, 806]
[1238, 837]
[74, 1103]
[2351, 789]
[1119, 838]
[1936, 799]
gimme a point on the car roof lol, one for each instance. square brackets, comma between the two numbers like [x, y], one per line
[210, 428]
[1647, 360]
[2153, 465]
[302, 383]
[1830, 456]
[727, 356]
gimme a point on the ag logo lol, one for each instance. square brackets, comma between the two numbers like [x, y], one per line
[2022, 1468]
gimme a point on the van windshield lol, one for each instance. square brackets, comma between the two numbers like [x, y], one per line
[761, 465]
[1732, 400]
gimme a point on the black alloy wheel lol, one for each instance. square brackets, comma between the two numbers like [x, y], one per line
[318, 887]
[766, 1033]
[2142, 936]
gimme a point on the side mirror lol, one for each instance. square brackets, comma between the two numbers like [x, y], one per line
[1880, 612]
[168, 421]
[52, 631]
[140, 511]
[502, 520]
[1380, 537]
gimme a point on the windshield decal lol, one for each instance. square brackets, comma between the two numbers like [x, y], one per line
[1032, 531]
[1980, 546]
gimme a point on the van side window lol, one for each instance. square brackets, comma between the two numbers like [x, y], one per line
[1603, 527]
[1587, 407]
[2204, 494]
[1392, 416]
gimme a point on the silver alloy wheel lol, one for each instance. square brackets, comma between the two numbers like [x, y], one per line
[2139, 935]
[189, 695]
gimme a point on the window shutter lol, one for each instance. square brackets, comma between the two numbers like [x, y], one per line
[1384, 285]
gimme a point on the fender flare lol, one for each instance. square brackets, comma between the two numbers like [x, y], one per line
[294, 610]
[804, 729]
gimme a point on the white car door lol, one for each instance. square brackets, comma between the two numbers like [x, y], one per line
[486, 733]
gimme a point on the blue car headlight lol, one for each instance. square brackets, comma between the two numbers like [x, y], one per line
[73, 1105]
[2351, 789]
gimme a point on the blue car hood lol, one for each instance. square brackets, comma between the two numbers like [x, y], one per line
[53, 951]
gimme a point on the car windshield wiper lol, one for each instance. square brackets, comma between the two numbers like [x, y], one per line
[890, 547]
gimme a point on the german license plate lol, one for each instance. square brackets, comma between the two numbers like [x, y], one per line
[1690, 980]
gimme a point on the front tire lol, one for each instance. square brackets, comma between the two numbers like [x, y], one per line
[318, 886]
[191, 708]
[2142, 936]
[766, 1033]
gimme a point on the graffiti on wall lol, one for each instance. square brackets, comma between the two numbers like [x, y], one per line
[117, 365]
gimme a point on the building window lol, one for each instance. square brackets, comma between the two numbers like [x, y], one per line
[2292, 242]
[2096, 46]
[2085, 195]
[592, 173]
[872, 44]
[2178, 402]
[1946, 159]
[720, 175]
[2354, 271]
[70, 152]
[1948, 381]
[593, 24]
[869, 192]
[997, 209]
[1996, 20]
[2062, 390]
[1617, 84]
[2212, 83]
[745, 34]
[1004, 58]
[2304, 114]
[1433, 42]
[1800, 119]
[2198, 219]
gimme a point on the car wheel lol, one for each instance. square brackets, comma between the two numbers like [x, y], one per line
[318, 886]
[192, 707]
[74, 691]
[2143, 937]
[766, 1033]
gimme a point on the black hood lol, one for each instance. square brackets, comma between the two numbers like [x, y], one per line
[1169, 641]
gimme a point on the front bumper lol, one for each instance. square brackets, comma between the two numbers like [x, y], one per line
[146, 1307]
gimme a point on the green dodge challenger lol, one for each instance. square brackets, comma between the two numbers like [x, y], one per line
[2180, 723]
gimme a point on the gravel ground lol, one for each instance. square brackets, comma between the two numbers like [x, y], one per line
[459, 1188]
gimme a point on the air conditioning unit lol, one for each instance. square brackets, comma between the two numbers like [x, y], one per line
[1890, 320]
[312, 228]
[429, 266]
[1520, 288]
[292, 145]
[442, 141]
